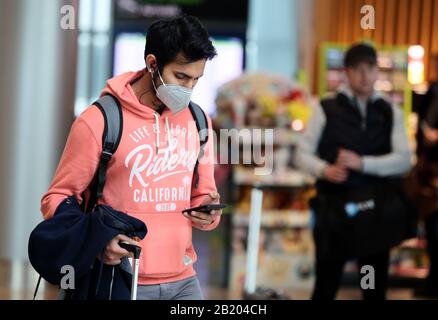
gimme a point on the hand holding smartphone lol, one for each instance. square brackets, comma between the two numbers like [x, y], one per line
[206, 208]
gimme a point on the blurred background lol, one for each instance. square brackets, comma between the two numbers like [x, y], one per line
[276, 58]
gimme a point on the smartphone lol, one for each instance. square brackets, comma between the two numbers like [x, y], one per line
[206, 208]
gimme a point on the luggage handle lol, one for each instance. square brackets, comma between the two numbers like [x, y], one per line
[136, 250]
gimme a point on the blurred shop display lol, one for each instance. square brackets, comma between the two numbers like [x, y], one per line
[409, 263]
[262, 100]
[285, 254]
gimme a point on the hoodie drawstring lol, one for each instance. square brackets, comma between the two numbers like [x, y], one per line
[157, 131]
[168, 131]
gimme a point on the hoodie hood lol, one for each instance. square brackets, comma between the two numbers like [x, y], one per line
[120, 87]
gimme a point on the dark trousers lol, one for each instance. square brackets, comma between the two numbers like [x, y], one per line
[329, 273]
[431, 226]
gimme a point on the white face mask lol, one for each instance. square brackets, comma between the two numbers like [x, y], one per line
[175, 97]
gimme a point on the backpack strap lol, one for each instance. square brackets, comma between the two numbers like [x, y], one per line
[112, 133]
[202, 126]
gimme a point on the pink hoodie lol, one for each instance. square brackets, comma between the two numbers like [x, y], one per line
[149, 177]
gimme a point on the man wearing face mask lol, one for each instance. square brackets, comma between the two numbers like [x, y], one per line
[355, 143]
[150, 176]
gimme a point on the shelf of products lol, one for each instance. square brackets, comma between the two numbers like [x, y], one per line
[286, 247]
[285, 255]
[263, 101]
[408, 261]
[285, 259]
[280, 137]
[289, 178]
[275, 219]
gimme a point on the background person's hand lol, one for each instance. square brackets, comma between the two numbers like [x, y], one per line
[430, 136]
[204, 219]
[335, 173]
[349, 159]
[113, 253]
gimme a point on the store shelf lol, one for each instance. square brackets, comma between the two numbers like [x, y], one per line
[276, 187]
[399, 275]
[285, 240]
[408, 272]
[276, 271]
[288, 179]
[275, 219]
[281, 137]
[396, 271]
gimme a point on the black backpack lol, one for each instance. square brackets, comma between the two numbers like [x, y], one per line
[112, 133]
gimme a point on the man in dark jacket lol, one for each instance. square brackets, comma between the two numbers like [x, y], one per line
[352, 141]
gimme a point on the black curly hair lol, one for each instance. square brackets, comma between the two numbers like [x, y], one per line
[359, 53]
[167, 38]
